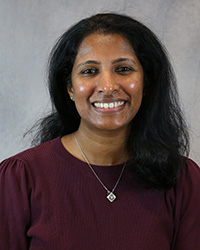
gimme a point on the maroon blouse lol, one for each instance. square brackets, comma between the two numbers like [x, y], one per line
[51, 200]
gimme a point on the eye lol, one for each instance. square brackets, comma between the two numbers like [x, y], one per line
[90, 71]
[124, 70]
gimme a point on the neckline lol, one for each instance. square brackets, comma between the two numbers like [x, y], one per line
[63, 153]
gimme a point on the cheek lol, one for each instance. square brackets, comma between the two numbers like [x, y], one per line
[132, 86]
[83, 89]
[135, 88]
[79, 88]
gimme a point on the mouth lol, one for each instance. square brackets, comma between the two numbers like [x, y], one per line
[109, 106]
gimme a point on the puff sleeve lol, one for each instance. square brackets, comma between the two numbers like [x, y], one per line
[14, 205]
[187, 211]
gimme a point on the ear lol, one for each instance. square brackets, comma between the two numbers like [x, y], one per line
[70, 91]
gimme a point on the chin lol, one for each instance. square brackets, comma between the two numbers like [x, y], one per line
[111, 127]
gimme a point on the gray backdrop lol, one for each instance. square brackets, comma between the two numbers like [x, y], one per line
[29, 29]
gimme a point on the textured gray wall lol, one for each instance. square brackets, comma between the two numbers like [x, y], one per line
[29, 29]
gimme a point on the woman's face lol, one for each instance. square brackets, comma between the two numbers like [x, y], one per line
[107, 82]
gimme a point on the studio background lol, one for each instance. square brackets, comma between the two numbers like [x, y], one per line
[29, 30]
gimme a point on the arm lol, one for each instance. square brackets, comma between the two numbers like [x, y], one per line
[14, 205]
[188, 209]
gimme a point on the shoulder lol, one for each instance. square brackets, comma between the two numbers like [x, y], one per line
[30, 159]
[34, 153]
[184, 196]
[188, 187]
[190, 174]
[187, 207]
[188, 182]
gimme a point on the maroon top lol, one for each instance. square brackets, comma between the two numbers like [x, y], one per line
[51, 200]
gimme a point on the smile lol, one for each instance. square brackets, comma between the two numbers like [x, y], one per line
[110, 105]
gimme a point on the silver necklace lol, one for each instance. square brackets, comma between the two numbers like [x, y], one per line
[110, 194]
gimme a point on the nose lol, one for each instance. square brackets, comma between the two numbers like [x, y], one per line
[107, 83]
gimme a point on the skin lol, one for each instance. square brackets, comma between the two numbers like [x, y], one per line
[107, 88]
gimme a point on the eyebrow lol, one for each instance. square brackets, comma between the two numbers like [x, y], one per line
[88, 62]
[121, 59]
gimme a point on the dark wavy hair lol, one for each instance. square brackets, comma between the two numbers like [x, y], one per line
[159, 137]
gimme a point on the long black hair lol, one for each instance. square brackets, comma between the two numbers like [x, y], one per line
[159, 135]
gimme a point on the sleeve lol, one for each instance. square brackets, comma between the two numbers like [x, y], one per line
[14, 205]
[188, 209]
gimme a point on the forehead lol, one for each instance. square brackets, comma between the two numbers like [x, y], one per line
[103, 42]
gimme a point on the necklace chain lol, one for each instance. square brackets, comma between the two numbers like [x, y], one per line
[110, 194]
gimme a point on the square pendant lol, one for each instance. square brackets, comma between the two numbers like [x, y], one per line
[111, 197]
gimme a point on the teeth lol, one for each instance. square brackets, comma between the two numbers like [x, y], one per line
[111, 105]
[108, 105]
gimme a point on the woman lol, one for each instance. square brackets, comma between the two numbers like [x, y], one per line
[109, 171]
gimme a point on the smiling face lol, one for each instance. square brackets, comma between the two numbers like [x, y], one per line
[107, 82]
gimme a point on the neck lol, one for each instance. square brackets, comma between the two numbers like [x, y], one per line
[103, 147]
